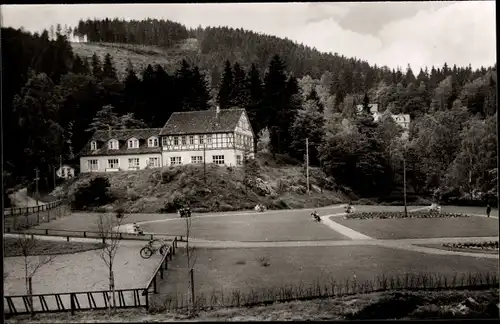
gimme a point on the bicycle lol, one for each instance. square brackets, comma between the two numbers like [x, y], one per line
[147, 251]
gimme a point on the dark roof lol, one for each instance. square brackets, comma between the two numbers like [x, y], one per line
[202, 122]
[124, 150]
[125, 134]
[122, 135]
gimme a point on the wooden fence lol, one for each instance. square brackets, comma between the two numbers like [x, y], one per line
[89, 300]
[33, 209]
[68, 234]
[34, 216]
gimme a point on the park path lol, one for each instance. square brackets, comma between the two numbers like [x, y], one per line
[404, 244]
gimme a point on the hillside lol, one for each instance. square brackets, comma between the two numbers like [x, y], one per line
[282, 186]
[139, 55]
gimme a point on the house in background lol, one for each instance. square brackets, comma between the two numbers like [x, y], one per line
[65, 172]
[215, 136]
[402, 120]
[220, 136]
[121, 150]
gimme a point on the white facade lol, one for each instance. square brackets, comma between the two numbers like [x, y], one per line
[65, 172]
[113, 163]
[223, 148]
[218, 148]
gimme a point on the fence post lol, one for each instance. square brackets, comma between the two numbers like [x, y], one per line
[72, 302]
[67, 238]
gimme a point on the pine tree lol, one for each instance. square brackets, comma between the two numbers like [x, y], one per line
[313, 95]
[78, 66]
[255, 90]
[239, 97]
[225, 87]
[132, 89]
[96, 66]
[108, 70]
[201, 96]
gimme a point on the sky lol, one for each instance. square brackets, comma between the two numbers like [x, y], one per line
[384, 33]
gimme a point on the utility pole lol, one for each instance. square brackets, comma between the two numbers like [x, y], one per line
[204, 163]
[404, 179]
[307, 163]
[36, 181]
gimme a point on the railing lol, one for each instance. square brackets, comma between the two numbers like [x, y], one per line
[30, 210]
[91, 234]
[163, 265]
[41, 214]
[89, 300]
[75, 301]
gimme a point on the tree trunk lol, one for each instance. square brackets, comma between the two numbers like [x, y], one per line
[30, 294]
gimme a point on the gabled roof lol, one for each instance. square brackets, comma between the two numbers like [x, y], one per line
[122, 135]
[125, 134]
[202, 122]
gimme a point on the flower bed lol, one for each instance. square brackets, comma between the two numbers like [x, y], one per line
[492, 245]
[388, 215]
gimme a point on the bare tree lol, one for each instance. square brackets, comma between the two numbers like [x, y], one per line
[27, 247]
[109, 230]
[189, 254]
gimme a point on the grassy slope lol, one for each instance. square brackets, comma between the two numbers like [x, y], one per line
[12, 249]
[416, 305]
[139, 55]
[146, 192]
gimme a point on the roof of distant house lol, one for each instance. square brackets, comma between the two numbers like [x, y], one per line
[122, 135]
[202, 122]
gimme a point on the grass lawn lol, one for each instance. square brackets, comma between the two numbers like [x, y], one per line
[11, 248]
[422, 227]
[448, 248]
[227, 270]
[274, 226]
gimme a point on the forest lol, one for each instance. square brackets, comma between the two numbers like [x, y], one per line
[55, 99]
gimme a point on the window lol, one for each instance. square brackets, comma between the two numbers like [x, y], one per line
[209, 139]
[154, 162]
[238, 160]
[133, 143]
[133, 162]
[175, 160]
[153, 142]
[113, 145]
[202, 139]
[218, 159]
[93, 165]
[183, 140]
[197, 159]
[165, 141]
[93, 145]
[191, 139]
[113, 164]
[176, 140]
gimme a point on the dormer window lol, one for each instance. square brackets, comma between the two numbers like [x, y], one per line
[113, 144]
[93, 145]
[153, 142]
[133, 143]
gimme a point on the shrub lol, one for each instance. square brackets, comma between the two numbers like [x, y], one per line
[94, 194]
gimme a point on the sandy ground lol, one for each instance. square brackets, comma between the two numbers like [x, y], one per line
[84, 271]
